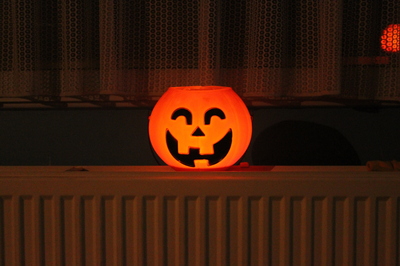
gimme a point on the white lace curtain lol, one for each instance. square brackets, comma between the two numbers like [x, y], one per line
[263, 49]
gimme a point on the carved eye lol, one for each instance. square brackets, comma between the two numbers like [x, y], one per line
[182, 112]
[210, 113]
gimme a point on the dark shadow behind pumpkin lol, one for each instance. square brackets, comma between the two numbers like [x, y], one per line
[302, 143]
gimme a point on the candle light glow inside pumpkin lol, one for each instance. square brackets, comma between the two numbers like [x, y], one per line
[200, 127]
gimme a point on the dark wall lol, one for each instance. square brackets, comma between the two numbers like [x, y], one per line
[119, 136]
[372, 132]
[74, 137]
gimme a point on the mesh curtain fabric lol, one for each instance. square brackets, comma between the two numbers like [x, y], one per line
[262, 49]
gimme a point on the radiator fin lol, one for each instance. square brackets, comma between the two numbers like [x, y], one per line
[387, 227]
[321, 235]
[255, 230]
[132, 231]
[47, 230]
[90, 230]
[69, 231]
[235, 231]
[278, 215]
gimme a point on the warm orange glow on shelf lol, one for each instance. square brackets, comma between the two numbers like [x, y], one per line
[390, 39]
[200, 127]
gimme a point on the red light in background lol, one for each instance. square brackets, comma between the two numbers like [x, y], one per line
[390, 39]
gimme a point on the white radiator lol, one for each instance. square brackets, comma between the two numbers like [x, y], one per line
[155, 216]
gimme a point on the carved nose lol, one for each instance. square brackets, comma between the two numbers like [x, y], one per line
[198, 133]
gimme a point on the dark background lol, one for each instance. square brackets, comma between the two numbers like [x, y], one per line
[119, 136]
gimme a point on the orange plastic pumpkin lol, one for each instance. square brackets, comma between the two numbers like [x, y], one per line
[390, 39]
[200, 127]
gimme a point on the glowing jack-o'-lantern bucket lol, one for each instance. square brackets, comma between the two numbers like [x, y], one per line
[200, 127]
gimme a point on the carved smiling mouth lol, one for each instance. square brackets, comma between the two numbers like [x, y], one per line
[221, 149]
